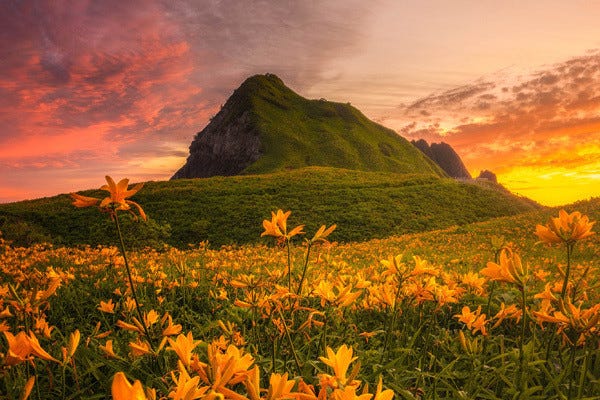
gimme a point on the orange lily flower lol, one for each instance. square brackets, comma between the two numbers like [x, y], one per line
[22, 346]
[566, 228]
[117, 200]
[474, 320]
[170, 329]
[139, 348]
[186, 388]
[27, 388]
[280, 387]
[107, 306]
[83, 201]
[380, 394]
[184, 346]
[339, 361]
[322, 233]
[123, 390]
[509, 270]
[277, 226]
[108, 350]
[349, 393]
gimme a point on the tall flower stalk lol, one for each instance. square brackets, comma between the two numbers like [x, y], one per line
[115, 202]
[568, 229]
[277, 227]
[510, 269]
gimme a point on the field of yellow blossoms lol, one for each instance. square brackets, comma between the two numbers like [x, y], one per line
[490, 311]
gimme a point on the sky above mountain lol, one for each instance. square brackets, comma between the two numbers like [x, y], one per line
[89, 88]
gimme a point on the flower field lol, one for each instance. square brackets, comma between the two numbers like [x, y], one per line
[508, 308]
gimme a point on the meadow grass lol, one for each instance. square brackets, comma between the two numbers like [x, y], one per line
[229, 210]
[428, 324]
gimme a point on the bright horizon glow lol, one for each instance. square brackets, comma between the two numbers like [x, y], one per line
[90, 89]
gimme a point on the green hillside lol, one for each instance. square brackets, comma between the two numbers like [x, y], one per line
[295, 132]
[226, 210]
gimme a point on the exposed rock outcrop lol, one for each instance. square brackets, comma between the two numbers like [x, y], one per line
[226, 146]
[488, 175]
[444, 155]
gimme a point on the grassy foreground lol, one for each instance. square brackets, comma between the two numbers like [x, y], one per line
[228, 210]
[251, 322]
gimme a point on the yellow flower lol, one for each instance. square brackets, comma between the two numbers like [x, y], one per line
[380, 394]
[170, 329]
[474, 281]
[184, 346]
[474, 320]
[22, 346]
[107, 306]
[107, 349]
[509, 270]
[566, 228]
[224, 368]
[123, 390]
[27, 388]
[421, 268]
[139, 348]
[322, 233]
[186, 388]
[582, 322]
[507, 312]
[252, 383]
[117, 200]
[339, 361]
[277, 226]
[349, 393]
[280, 388]
[73, 342]
[83, 201]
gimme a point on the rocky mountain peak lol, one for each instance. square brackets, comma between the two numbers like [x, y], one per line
[444, 155]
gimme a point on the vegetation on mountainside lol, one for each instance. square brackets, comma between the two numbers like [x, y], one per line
[228, 210]
[296, 132]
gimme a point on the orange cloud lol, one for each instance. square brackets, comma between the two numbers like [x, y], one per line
[540, 134]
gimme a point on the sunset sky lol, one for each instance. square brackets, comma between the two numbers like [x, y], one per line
[89, 88]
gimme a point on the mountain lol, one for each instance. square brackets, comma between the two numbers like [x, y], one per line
[266, 127]
[444, 155]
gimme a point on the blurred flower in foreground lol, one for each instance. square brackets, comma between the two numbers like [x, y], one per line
[123, 390]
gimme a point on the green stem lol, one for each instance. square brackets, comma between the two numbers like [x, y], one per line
[522, 339]
[133, 293]
[304, 269]
[563, 292]
[289, 263]
[289, 338]
[392, 322]
[571, 372]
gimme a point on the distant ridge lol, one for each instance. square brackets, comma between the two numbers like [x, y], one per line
[444, 155]
[266, 127]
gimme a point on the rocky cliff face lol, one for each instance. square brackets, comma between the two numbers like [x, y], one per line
[226, 146]
[444, 155]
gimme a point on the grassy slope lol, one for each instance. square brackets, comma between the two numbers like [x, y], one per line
[296, 132]
[227, 210]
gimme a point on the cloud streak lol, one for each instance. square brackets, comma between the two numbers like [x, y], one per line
[109, 84]
[507, 124]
